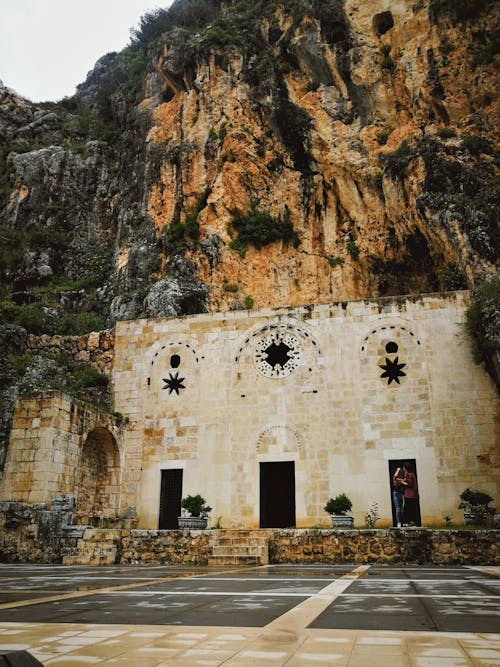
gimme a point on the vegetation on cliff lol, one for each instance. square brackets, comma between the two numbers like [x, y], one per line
[483, 325]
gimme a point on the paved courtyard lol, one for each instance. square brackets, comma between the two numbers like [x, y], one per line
[290, 615]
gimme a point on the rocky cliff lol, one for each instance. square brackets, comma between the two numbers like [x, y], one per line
[246, 154]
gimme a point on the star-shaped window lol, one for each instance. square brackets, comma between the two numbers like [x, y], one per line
[392, 370]
[173, 383]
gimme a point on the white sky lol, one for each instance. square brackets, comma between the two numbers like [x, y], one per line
[48, 46]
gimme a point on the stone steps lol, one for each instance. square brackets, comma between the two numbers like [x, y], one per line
[238, 547]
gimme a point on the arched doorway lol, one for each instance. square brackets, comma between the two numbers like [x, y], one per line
[98, 477]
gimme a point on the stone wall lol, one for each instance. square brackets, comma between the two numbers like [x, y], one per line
[180, 547]
[51, 449]
[35, 534]
[185, 547]
[439, 547]
[341, 393]
[32, 533]
[96, 347]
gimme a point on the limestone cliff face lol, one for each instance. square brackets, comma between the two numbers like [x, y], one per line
[314, 122]
[367, 129]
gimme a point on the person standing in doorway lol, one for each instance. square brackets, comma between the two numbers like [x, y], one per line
[398, 497]
[409, 481]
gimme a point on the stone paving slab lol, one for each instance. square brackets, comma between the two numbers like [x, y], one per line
[290, 615]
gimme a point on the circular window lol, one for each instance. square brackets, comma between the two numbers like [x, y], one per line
[277, 354]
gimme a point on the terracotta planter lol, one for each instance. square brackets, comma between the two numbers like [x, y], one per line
[342, 521]
[192, 522]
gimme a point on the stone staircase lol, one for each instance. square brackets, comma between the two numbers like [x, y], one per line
[238, 547]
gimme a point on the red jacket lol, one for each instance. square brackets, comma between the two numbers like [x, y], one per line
[411, 488]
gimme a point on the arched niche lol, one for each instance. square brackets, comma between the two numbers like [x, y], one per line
[98, 476]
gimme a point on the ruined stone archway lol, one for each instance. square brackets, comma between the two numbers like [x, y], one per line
[98, 477]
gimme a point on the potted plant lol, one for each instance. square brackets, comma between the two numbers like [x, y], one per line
[196, 512]
[338, 507]
[475, 506]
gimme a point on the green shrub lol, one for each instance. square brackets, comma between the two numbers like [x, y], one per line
[43, 237]
[83, 323]
[135, 61]
[456, 10]
[396, 163]
[8, 310]
[376, 181]
[259, 228]
[475, 144]
[352, 249]
[312, 86]
[338, 505]
[230, 288]
[482, 323]
[151, 26]
[487, 53]
[85, 376]
[222, 36]
[33, 318]
[12, 368]
[192, 227]
[239, 246]
[335, 261]
[476, 504]
[222, 132]
[13, 244]
[452, 278]
[474, 498]
[446, 132]
[175, 232]
[195, 505]
[382, 136]
[387, 61]
[249, 302]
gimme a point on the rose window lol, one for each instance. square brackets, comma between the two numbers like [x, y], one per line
[277, 354]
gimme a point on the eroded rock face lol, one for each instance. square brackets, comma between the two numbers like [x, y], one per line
[370, 129]
[323, 138]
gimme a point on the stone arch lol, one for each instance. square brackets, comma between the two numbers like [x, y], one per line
[291, 327]
[390, 355]
[168, 363]
[98, 481]
[279, 439]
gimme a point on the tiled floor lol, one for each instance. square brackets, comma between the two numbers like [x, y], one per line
[290, 638]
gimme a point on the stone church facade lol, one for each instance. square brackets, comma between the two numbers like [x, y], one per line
[269, 413]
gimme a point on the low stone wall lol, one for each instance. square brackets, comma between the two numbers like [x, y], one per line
[94, 546]
[33, 534]
[414, 545]
[186, 547]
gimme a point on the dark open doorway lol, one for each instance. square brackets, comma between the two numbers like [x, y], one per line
[170, 498]
[277, 495]
[407, 518]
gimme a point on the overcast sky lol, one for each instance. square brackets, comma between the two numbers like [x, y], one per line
[48, 46]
